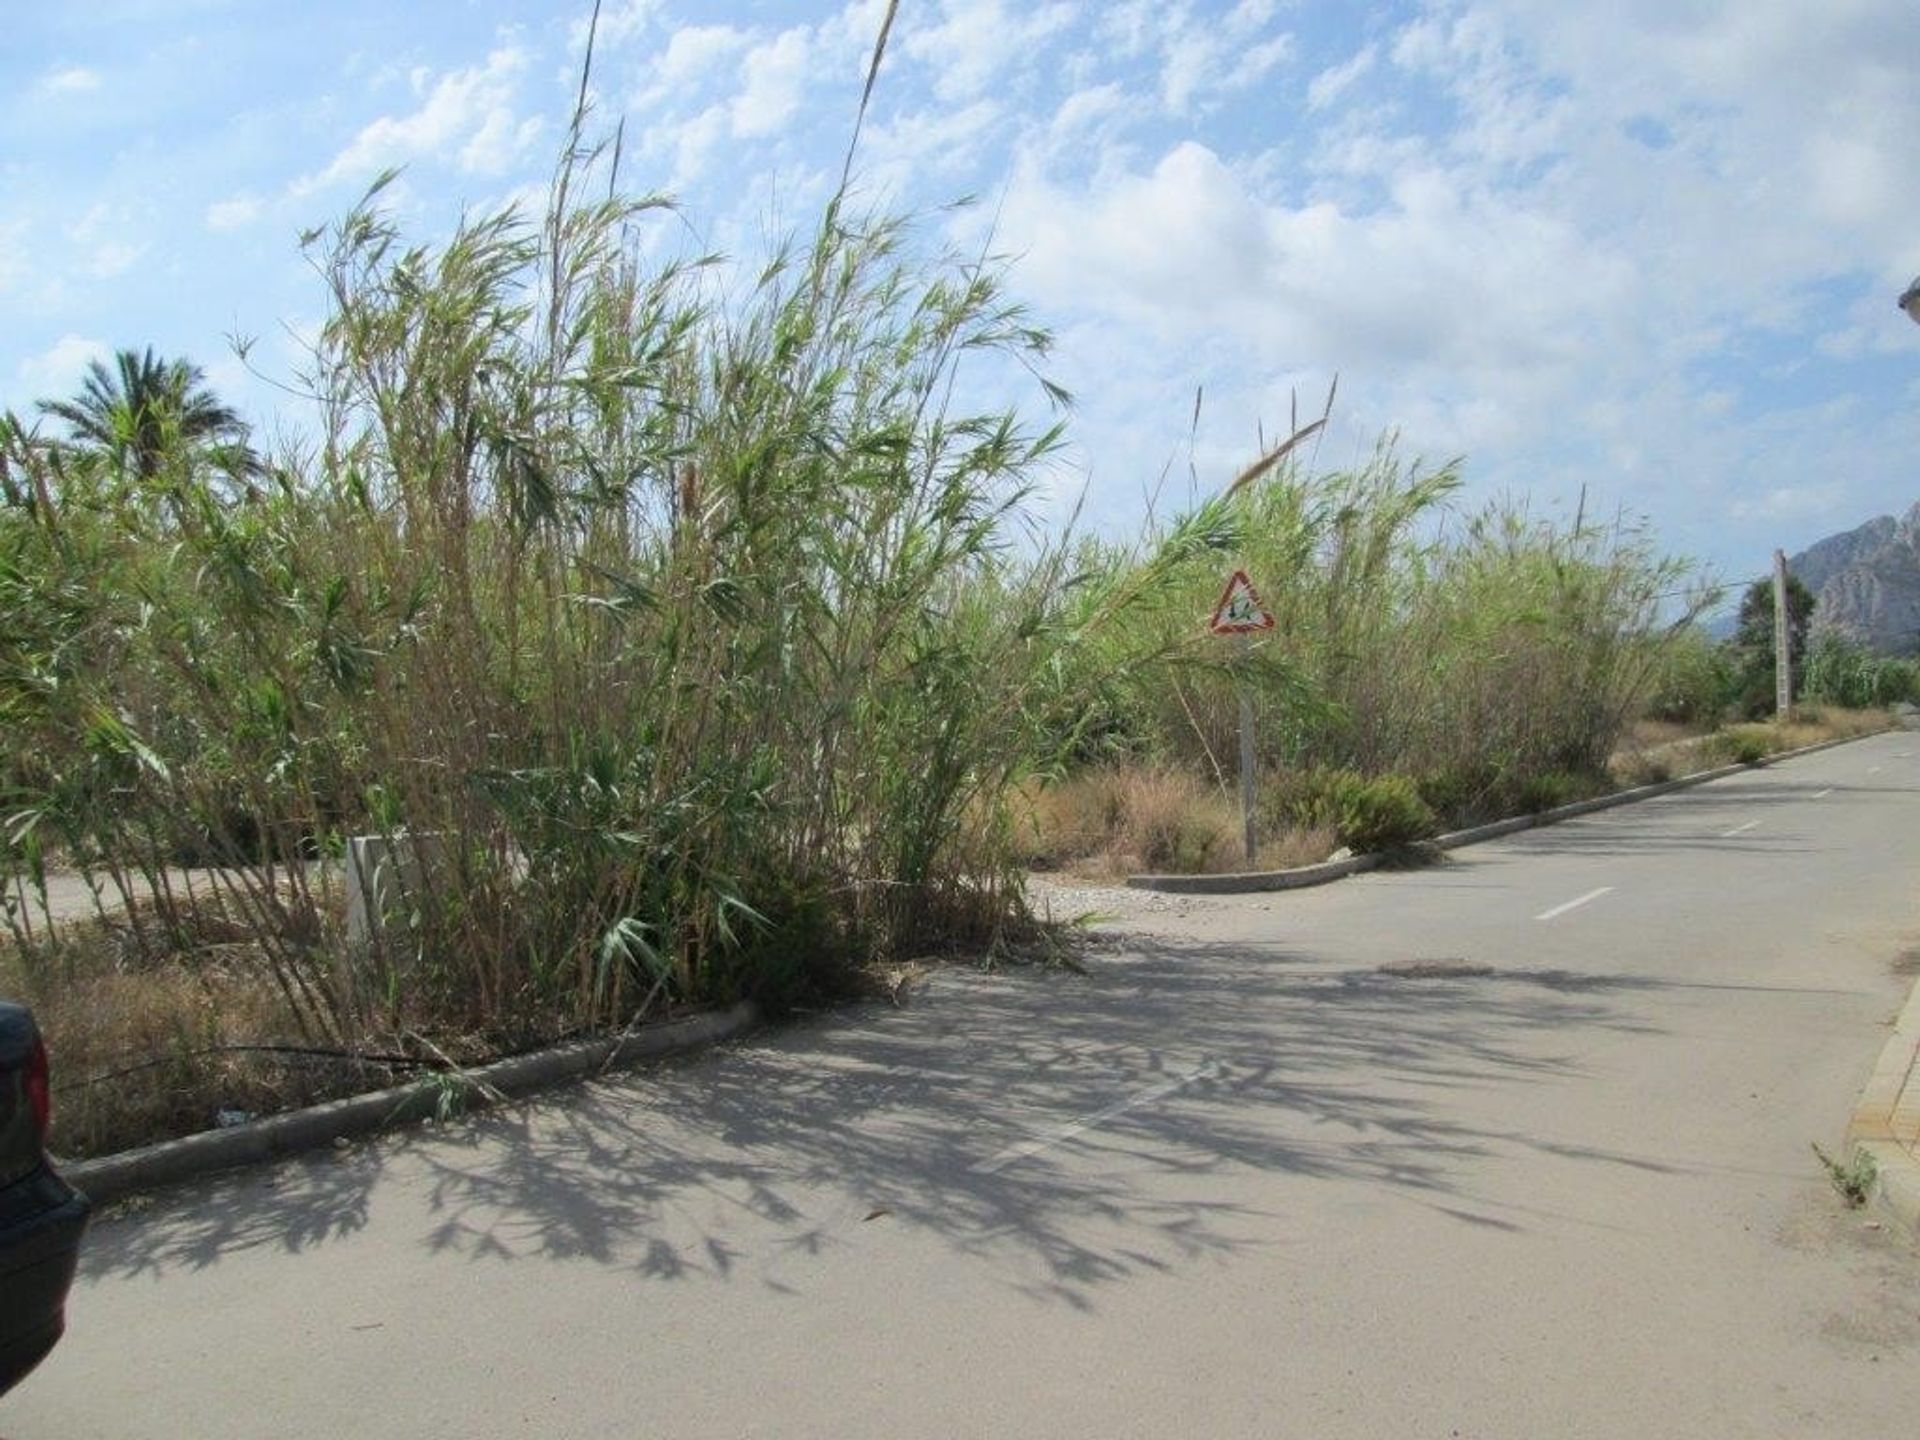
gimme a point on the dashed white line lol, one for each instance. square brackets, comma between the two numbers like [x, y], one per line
[1822, 794]
[1738, 830]
[1874, 769]
[1575, 904]
[1013, 1154]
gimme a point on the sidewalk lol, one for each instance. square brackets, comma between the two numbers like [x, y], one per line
[1886, 1121]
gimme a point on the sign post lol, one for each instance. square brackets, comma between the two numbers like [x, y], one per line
[1240, 614]
[1782, 649]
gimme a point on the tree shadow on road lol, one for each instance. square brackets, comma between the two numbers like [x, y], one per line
[955, 1116]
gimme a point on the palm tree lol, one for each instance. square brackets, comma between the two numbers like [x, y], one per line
[144, 408]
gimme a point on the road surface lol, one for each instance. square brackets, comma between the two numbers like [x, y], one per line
[1236, 1181]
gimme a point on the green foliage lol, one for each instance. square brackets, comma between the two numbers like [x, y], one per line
[1366, 812]
[1742, 745]
[1753, 645]
[1843, 672]
[145, 409]
[699, 637]
[1471, 652]
[1553, 788]
[1855, 1179]
[695, 625]
[1694, 680]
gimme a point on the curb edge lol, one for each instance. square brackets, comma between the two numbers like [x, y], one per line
[109, 1177]
[1248, 882]
[1886, 1118]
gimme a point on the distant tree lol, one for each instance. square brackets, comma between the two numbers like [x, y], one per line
[1753, 642]
[144, 409]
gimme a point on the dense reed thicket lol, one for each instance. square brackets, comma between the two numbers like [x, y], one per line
[693, 644]
[1479, 656]
[684, 630]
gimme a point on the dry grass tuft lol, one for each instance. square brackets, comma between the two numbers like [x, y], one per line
[151, 1038]
[1126, 820]
[1813, 723]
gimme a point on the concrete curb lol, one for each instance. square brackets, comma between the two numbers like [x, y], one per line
[1886, 1119]
[192, 1156]
[1247, 882]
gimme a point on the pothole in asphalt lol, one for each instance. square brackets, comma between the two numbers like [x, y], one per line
[1450, 967]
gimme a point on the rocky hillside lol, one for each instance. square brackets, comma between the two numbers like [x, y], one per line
[1868, 582]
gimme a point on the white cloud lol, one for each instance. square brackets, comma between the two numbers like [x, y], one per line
[690, 143]
[113, 257]
[59, 369]
[500, 141]
[1087, 108]
[466, 117]
[103, 243]
[236, 212]
[1794, 502]
[774, 78]
[1206, 57]
[693, 54]
[1336, 80]
[695, 49]
[1437, 277]
[70, 80]
[926, 143]
[620, 24]
[979, 41]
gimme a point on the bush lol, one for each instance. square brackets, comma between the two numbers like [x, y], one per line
[1846, 673]
[1694, 681]
[699, 619]
[1638, 768]
[1170, 820]
[1743, 745]
[1554, 788]
[1129, 818]
[1367, 812]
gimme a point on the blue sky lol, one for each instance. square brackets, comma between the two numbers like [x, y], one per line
[1650, 248]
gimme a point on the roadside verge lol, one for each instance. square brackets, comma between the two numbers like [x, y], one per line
[1247, 882]
[1886, 1120]
[110, 1176]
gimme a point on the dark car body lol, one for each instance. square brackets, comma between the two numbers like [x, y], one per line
[41, 1217]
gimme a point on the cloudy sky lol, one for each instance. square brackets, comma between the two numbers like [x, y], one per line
[1650, 247]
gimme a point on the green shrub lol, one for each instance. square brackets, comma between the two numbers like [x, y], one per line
[1694, 680]
[1640, 769]
[1366, 812]
[1554, 788]
[1843, 672]
[1742, 745]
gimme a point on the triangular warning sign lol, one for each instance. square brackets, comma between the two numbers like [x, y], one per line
[1239, 611]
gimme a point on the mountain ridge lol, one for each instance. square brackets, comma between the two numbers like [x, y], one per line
[1866, 582]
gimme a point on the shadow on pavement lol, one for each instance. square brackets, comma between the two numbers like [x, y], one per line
[750, 1159]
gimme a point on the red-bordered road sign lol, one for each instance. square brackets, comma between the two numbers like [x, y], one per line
[1240, 611]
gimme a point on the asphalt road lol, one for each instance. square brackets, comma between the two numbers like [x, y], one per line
[1237, 1181]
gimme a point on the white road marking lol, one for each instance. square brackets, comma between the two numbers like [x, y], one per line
[1559, 910]
[1738, 830]
[1874, 769]
[1822, 794]
[1013, 1154]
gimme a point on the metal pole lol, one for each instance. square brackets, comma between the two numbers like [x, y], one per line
[1246, 749]
[1782, 658]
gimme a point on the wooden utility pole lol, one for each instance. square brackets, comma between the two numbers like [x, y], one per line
[1782, 651]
